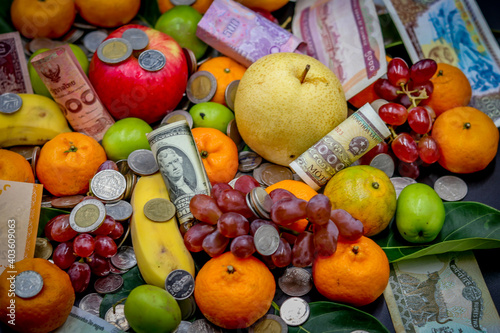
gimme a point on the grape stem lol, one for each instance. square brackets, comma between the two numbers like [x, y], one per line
[415, 100]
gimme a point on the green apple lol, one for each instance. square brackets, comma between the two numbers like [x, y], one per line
[150, 308]
[37, 83]
[180, 23]
[125, 136]
[419, 213]
[211, 114]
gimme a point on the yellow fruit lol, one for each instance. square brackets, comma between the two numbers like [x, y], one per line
[366, 193]
[14, 166]
[278, 114]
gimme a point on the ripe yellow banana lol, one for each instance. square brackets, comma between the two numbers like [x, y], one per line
[39, 120]
[158, 246]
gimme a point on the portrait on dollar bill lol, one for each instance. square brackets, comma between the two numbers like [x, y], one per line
[178, 170]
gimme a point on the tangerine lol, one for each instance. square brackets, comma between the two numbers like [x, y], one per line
[225, 70]
[366, 193]
[68, 162]
[13, 166]
[232, 292]
[199, 5]
[45, 311]
[451, 89]
[218, 153]
[357, 273]
[109, 13]
[467, 139]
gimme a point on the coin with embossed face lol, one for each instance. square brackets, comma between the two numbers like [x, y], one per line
[294, 311]
[28, 284]
[266, 240]
[108, 284]
[114, 50]
[87, 216]
[152, 60]
[108, 185]
[93, 39]
[450, 188]
[142, 162]
[137, 38]
[120, 210]
[159, 210]
[180, 284]
[201, 87]
[91, 303]
[295, 281]
[116, 316]
[230, 93]
[385, 163]
[10, 103]
[124, 258]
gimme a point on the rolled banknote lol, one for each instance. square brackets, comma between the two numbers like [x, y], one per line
[14, 77]
[180, 165]
[346, 37]
[345, 144]
[71, 89]
[243, 35]
[440, 293]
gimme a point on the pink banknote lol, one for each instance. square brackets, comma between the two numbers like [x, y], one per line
[14, 77]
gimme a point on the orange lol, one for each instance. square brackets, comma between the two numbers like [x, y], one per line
[44, 312]
[467, 139]
[302, 191]
[108, 13]
[13, 166]
[264, 4]
[199, 5]
[366, 193]
[232, 292]
[48, 18]
[357, 273]
[451, 89]
[218, 153]
[68, 162]
[225, 70]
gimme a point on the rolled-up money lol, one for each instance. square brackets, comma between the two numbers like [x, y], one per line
[71, 89]
[180, 165]
[345, 144]
[242, 34]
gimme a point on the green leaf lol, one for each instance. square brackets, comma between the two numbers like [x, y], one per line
[332, 317]
[149, 11]
[46, 214]
[467, 226]
[389, 31]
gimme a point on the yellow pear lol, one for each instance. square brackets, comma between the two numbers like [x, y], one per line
[282, 109]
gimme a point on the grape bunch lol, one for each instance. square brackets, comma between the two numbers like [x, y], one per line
[405, 92]
[224, 219]
[83, 254]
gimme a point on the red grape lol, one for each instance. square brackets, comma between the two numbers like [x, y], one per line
[431, 112]
[233, 225]
[245, 183]
[283, 255]
[419, 120]
[410, 170]
[279, 193]
[393, 114]
[79, 274]
[288, 210]
[60, 229]
[63, 255]
[215, 243]
[217, 189]
[380, 148]
[255, 224]
[386, 90]
[106, 227]
[268, 261]
[398, 72]
[423, 70]
[405, 148]
[349, 227]
[325, 239]
[204, 208]
[98, 265]
[105, 246]
[107, 165]
[83, 245]
[405, 101]
[428, 150]
[243, 246]
[318, 209]
[193, 238]
[303, 250]
[117, 231]
[234, 201]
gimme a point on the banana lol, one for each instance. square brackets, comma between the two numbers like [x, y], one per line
[39, 120]
[159, 247]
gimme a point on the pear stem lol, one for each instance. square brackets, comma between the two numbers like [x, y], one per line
[308, 67]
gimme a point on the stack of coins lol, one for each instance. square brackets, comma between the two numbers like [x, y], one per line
[259, 202]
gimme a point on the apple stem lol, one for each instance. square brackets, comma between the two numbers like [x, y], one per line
[308, 67]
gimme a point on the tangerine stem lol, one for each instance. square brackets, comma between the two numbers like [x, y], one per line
[306, 70]
[230, 269]
[71, 149]
[467, 125]
[355, 249]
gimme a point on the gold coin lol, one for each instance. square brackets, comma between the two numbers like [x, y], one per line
[43, 248]
[159, 210]
[87, 215]
[201, 87]
[114, 50]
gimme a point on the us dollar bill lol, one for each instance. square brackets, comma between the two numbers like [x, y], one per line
[180, 165]
[442, 293]
[453, 32]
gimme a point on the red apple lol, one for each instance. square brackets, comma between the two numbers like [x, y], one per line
[127, 90]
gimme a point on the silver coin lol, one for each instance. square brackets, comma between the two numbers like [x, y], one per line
[233, 132]
[87, 216]
[191, 61]
[72, 36]
[450, 188]
[294, 311]
[120, 210]
[43, 248]
[203, 326]
[108, 185]
[376, 104]
[10, 103]
[116, 270]
[383, 162]
[273, 173]
[182, 2]
[201, 87]
[91, 303]
[43, 43]
[116, 316]
[177, 115]
[266, 240]
[248, 161]
[295, 281]
[180, 284]
[28, 284]
[152, 60]
[138, 38]
[183, 327]
[108, 284]
[230, 93]
[93, 39]
[142, 162]
[400, 183]
[124, 258]
[259, 202]
[114, 50]
[268, 324]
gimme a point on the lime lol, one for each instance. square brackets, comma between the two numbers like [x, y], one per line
[125, 136]
[211, 114]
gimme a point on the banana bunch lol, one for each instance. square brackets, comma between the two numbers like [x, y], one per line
[39, 120]
[158, 246]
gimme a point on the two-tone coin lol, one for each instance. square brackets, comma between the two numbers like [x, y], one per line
[385, 163]
[248, 161]
[180, 284]
[114, 50]
[108, 185]
[28, 284]
[137, 38]
[269, 324]
[230, 93]
[177, 115]
[93, 39]
[450, 188]
[294, 311]
[142, 162]
[91, 303]
[120, 210]
[266, 240]
[152, 60]
[116, 316]
[69, 201]
[296, 281]
[159, 210]
[43, 248]
[201, 87]
[10, 103]
[191, 61]
[108, 284]
[400, 183]
[125, 258]
[87, 216]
